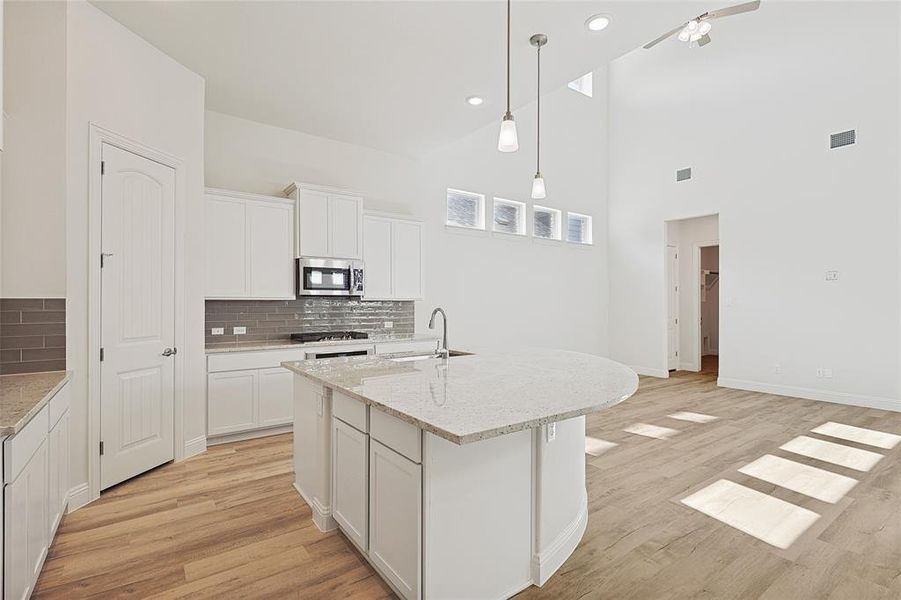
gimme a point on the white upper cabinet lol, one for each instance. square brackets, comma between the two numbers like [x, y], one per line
[250, 246]
[329, 222]
[392, 254]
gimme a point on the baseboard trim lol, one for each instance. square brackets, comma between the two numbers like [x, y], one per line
[811, 394]
[322, 515]
[195, 447]
[650, 372]
[249, 435]
[546, 562]
[79, 496]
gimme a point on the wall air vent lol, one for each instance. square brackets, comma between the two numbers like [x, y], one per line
[683, 174]
[842, 138]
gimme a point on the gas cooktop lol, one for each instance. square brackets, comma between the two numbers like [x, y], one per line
[327, 336]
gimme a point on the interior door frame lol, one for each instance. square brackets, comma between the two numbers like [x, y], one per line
[99, 136]
[676, 306]
[696, 301]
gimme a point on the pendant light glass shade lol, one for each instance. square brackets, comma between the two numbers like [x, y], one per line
[507, 141]
[538, 191]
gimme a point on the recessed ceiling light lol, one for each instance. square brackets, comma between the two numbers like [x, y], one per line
[597, 22]
[474, 100]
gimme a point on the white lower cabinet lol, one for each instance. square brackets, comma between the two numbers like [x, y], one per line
[232, 401]
[276, 396]
[58, 471]
[395, 515]
[26, 536]
[350, 482]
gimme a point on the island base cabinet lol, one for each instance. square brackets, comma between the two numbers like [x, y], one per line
[350, 482]
[58, 467]
[26, 536]
[395, 515]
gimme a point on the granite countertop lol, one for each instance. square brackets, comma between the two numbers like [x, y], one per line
[469, 398]
[23, 396]
[281, 344]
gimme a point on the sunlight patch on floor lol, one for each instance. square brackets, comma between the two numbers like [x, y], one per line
[651, 431]
[774, 521]
[596, 447]
[692, 416]
[844, 456]
[870, 437]
[804, 479]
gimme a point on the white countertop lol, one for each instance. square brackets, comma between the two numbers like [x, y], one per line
[282, 344]
[469, 398]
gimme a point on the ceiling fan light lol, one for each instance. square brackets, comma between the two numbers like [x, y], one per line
[684, 35]
[538, 189]
[692, 26]
[704, 28]
[695, 37]
[507, 140]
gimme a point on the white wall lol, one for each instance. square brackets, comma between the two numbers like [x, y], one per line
[34, 161]
[122, 83]
[496, 289]
[752, 119]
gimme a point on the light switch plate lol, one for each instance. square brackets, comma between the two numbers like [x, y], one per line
[551, 432]
[239, 330]
[218, 331]
[831, 275]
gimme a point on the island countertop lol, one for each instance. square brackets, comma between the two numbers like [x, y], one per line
[469, 398]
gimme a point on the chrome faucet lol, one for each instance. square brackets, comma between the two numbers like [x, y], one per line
[444, 351]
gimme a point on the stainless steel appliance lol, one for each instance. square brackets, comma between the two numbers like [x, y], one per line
[310, 337]
[329, 277]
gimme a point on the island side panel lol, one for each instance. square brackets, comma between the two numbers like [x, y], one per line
[312, 449]
[477, 517]
[561, 506]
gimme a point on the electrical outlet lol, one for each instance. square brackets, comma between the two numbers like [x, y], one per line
[239, 330]
[827, 373]
[218, 331]
[551, 432]
[831, 275]
[389, 324]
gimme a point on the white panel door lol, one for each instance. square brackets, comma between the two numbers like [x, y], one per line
[395, 517]
[350, 481]
[406, 260]
[377, 257]
[227, 274]
[672, 307]
[137, 374]
[271, 247]
[276, 396]
[313, 224]
[26, 537]
[232, 401]
[345, 226]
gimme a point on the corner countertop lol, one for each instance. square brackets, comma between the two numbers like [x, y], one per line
[282, 344]
[465, 399]
[23, 396]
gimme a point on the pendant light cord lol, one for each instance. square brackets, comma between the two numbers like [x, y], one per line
[538, 123]
[508, 56]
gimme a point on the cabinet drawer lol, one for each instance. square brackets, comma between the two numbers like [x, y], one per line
[398, 435]
[351, 411]
[262, 359]
[390, 347]
[59, 404]
[18, 449]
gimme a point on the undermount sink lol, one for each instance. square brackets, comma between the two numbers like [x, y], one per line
[450, 354]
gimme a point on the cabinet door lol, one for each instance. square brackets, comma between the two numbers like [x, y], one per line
[25, 535]
[377, 257]
[232, 401]
[350, 482]
[271, 250]
[276, 396]
[395, 505]
[58, 467]
[345, 226]
[226, 249]
[406, 260]
[313, 224]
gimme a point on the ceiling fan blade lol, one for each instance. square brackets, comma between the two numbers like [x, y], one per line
[705, 39]
[732, 10]
[650, 45]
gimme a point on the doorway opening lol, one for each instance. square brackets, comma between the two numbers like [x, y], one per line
[693, 294]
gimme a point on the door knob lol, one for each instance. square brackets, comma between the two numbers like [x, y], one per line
[170, 351]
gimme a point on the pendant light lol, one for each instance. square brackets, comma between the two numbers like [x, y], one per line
[538, 192]
[507, 140]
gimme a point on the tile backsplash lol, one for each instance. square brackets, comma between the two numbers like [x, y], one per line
[32, 335]
[278, 319]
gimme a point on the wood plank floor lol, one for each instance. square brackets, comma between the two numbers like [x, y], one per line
[229, 524]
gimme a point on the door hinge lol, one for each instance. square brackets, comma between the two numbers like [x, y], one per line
[102, 256]
[103, 167]
[101, 448]
[677, 321]
[101, 354]
[677, 354]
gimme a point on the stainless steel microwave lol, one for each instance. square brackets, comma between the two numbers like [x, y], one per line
[329, 277]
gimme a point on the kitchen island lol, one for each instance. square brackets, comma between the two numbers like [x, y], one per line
[459, 477]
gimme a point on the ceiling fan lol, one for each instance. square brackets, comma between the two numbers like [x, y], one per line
[697, 30]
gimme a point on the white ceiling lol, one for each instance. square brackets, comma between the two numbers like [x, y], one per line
[385, 74]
